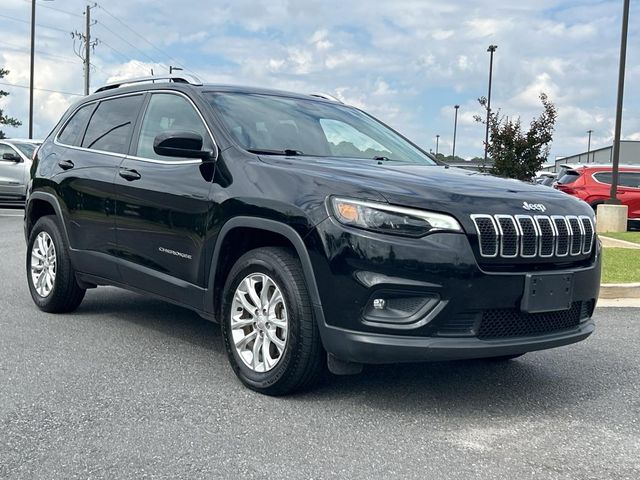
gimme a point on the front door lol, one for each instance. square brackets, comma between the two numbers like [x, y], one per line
[12, 173]
[162, 205]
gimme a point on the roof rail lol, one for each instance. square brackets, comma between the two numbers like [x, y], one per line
[190, 79]
[326, 96]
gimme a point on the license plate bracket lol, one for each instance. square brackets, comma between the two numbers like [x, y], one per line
[547, 292]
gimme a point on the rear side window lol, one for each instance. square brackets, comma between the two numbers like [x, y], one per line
[111, 124]
[570, 176]
[603, 177]
[71, 133]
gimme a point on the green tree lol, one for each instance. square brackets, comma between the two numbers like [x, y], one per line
[517, 153]
[5, 120]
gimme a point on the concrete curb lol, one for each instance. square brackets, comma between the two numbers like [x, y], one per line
[620, 290]
[609, 242]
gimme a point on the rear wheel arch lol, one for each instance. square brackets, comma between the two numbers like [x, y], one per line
[242, 234]
[41, 204]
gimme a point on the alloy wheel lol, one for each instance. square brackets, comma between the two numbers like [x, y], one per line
[43, 264]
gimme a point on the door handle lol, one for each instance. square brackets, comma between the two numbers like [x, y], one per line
[65, 164]
[129, 175]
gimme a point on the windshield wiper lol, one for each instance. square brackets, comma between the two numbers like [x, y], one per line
[289, 152]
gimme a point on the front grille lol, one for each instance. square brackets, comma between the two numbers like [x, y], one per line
[527, 236]
[508, 322]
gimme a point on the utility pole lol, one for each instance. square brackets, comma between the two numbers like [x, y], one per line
[616, 139]
[437, 144]
[33, 47]
[85, 45]
[455, 128]
[589, 144]
[491, 50]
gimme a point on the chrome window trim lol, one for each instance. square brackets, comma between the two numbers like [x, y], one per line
[569, 217]
[501, 232]
[585, 250]
[495, 229]
[554, 234]
[522, 237]
[144, 159]
[566, 223]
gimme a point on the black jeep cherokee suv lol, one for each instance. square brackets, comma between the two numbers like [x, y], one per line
[311, 231]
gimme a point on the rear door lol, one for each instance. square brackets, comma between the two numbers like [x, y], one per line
[11, 173]
[96, 138]
[163, 205]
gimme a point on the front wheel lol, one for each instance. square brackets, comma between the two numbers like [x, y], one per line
[270, 335]
[50, 276]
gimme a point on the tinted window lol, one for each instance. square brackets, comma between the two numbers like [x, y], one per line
[569, 177]
[603, 177]
[71, 134]
[6, 149]
[26, 148]
[273, 124]
[630, 179]
[111, 124]
[167, 112]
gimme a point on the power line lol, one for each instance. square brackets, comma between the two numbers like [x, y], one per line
[38, 24]
[128, 43]
[43, 5]
[173, 60]
[39, 52]
[42, 89]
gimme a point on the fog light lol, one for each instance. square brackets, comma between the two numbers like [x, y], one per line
[379, 303]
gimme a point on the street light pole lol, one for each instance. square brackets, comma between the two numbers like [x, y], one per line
[33, 47]
[455, 128]
[491, 50]
[616, 138]
[437, 144]
[589, 144]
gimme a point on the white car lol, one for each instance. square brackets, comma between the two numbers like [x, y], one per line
[15, 162]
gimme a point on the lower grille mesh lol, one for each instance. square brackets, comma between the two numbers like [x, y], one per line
[506, 323]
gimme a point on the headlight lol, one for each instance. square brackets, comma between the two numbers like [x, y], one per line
[385, 218]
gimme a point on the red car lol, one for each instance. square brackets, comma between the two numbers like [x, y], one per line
[593, 184]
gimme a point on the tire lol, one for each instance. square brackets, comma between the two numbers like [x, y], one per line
[277, 369]
[64, 295]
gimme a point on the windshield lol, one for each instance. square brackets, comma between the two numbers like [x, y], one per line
[267, 124]
[26, 148]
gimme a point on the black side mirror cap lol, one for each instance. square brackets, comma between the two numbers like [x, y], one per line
[181, 144]
[12, 157]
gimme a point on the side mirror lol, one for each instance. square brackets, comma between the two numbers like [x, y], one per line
[180, 144]
[12, 157]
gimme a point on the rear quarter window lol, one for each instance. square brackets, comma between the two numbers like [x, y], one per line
[570, 176]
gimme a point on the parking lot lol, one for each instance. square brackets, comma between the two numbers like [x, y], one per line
[130, 387]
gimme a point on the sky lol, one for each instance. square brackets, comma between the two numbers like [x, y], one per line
[407, 62]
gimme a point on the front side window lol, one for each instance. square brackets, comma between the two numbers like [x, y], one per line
[273, 124]
[6, 149]
[630, 179]
[71, 133]
[111, 124]
[167, 112]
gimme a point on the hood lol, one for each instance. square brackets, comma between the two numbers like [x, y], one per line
[445, 189]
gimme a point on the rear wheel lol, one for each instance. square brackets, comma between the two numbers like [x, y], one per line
[51, 278]
[270, 335]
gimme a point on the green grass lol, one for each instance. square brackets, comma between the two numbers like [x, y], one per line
[620, 265]
[628, 236]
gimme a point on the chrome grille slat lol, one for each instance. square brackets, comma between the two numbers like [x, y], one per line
[531, 236]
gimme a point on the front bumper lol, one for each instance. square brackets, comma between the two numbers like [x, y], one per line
[353, 267]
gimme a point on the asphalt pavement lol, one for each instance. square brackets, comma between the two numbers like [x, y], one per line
[131, 387]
